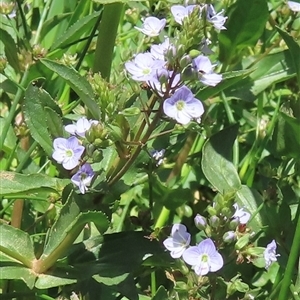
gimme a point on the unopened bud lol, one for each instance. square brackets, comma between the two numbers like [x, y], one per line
[229, 237]
[200, 222]
[214, 221]
[242, 242]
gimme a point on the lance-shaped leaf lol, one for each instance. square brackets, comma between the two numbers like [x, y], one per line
[78, 83]
[16, 244]
[13, 183]
[216, 164]
[294, 50]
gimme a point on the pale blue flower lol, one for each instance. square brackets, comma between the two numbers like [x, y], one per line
[163, 79]
[217, 19]
[158, 51]
[178, 241]
[67, 152]
[183, 107]
[203, 258]
[152, 26]
[240, 215]
[270, 255]
[144, 67]
[294, 6]
[83, 177]
[205, 72]
[180, 12]
[80, 127]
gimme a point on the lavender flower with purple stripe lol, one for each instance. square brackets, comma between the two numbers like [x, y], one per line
[183, 107]
[83, 177]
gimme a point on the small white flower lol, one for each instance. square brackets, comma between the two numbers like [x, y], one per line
[270, 254]
[80, 127]
[152, 26]
[158, 50]
[178, 241]
[294, 6]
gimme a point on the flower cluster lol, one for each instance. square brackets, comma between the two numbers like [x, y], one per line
[167, 65]
[68, 152]
[203, 258]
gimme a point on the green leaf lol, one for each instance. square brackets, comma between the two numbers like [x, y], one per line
[161, 294]
[51, 23]
[54, 122]
[35, 117]
[75, 31]
[286, 138]
[16, 244]
[275, 67]
[294, 50]
[10, 139]
[78, 83]
[13, 183]
[17, 272]
[229, 79]
[216, 164]
[56, 277]
[10, 49]
[116, 1]
[243, 29]
[68, 226]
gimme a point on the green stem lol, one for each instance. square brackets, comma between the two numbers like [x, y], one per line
[162, 218]
[293, 257]
[153, 284]
[26, 157]
[108, 29]
[41, 23]
[231, 121]
[12, 110]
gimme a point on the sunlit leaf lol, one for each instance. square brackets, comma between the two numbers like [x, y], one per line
[78, 83]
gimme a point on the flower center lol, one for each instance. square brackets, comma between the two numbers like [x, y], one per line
[204, 258]
[69, 153]
[146, 71]
[180, 105]
[83, 176]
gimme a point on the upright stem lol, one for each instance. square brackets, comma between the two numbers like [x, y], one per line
[13, 108]
[293, 257]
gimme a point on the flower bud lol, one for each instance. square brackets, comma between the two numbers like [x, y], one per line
[6, 7]
[229, 237]
[194, 53]
[233, 224]
[211, 210]
[226, 212]
[185, 61]
[200, 222]
[242, 242]
[214, 221]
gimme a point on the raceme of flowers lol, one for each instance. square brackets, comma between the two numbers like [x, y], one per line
[154, 68]
[68, 153]
[204, 257]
